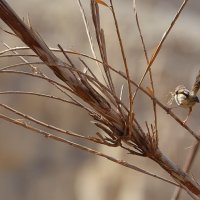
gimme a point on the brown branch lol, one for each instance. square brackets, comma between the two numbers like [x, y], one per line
[187, 166]
[177, 173]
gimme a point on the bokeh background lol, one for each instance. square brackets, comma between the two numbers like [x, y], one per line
[33, 167]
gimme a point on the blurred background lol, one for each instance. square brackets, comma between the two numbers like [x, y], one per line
[33, 167]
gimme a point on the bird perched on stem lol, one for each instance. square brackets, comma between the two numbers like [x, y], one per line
[186, 98]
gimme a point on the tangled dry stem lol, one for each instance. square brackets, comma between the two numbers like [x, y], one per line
[118, 122]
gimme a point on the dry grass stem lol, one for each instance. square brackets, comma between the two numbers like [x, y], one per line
[82, 88]
[187, 166]
[147, 60]
[160, 104]
[159, 46]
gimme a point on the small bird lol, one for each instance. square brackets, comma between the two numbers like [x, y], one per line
[186, 98]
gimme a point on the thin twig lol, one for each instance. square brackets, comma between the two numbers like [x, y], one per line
[36, 70]
[45, 124]
[84, 148]
[66, 56]
[187, 166]
[37, 76]
[20, 64]
[147, 60]
[89, 35]
[101, 42]
[130, 116]
[156, 52]
[41, 95]
[33, 68]
[88, 69]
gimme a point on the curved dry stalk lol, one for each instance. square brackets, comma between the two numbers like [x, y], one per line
[24, 55]
[37, 76]
[51, 127]
[19, 65]
[13, 49]
[55, 82]
[33, 68]
[84, 148]
[41, 95]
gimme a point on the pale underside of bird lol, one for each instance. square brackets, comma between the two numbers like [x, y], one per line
[186, 98]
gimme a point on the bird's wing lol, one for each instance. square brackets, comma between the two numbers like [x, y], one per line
[196, 85]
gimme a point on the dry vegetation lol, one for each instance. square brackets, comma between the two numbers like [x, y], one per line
[81, 87]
